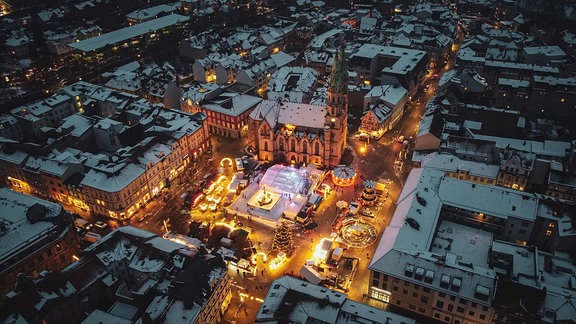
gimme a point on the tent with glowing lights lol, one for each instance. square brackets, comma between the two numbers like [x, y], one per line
[344, 176]
[284, 179]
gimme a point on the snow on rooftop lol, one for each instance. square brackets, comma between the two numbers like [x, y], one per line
[20, 232]
[451, 163]
[234, 106]
[319, 41]
[127, 33]
[123, 310]
[79, 124]
[117, 176]
[389, 94]
[143, 14]
[304, 309]
[98, 316]
[490, 200]
[412, 240]
[406, 59]
[179, 313]
[523, 260]
[16, 157]
[471, 245]
[165, 245]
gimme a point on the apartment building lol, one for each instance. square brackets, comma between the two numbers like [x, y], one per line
[434, 258]
[318, 304]
[109, 165]
[129, 43]
[380, 65]
[36, 235]
[129, 275]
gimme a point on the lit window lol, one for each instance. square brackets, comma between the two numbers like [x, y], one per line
[551, 225]
[548, 232]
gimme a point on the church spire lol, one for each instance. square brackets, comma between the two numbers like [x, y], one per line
[339, 76]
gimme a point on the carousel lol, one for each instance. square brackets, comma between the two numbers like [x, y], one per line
[344, 176]
[368, 196]
[357, 233]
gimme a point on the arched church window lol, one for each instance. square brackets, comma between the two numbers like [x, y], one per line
[317, 148]
[293, 145]
[305, 147]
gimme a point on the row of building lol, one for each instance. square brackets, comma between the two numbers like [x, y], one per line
[98, 149]
[131, 275]
[463, 251]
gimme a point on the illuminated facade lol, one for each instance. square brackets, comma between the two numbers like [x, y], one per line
[227, 112]
[453, 246]
[132, 42]
[90, 168]
[301, 133]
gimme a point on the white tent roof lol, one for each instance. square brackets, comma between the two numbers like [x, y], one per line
[283, 178]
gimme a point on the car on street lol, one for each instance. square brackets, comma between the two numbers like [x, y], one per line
[401, 139]
[367, 212]
[101, 224]
[141, 219]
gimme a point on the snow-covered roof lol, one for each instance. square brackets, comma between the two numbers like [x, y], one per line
[112, 177]
[148, 13]
[406, 59]
[126, 33]
[232, 104]
[298, 114]
[409, 244]
[18, 231]
[319, 304]
[292, 84]
[490, 200]
[389, 94]
[451, 163]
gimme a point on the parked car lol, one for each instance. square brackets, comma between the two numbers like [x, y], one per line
[367, 212]
[101, 224]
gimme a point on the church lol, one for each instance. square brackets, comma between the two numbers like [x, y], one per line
[304, 133]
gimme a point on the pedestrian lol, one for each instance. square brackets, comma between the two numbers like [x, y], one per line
[262, 271]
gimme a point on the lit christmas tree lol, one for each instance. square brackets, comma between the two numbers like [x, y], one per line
[283, 239]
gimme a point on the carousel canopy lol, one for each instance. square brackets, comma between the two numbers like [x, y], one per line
[369, 183]
[344, 172]
[284, 178]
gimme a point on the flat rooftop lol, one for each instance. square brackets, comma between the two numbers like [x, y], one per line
[471, 244]
[127, 33]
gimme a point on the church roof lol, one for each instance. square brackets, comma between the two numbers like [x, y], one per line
[281, 113]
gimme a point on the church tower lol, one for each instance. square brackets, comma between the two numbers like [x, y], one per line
[336, 124]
